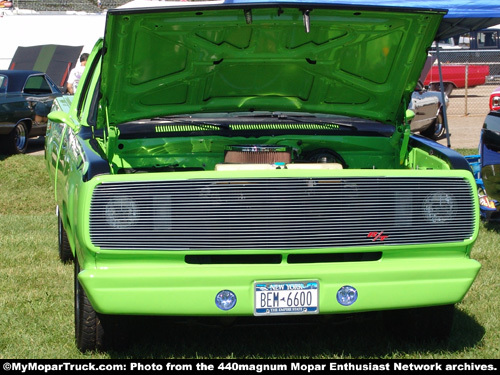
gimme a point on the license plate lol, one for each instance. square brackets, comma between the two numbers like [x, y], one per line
[286, 298]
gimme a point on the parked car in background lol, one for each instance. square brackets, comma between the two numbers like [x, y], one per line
[489, 149]
[429, 115]
[456, 76]
[486, 167]
[474, 47]
[485, 39]
[6, 4]
[495, 100]
[22, 94]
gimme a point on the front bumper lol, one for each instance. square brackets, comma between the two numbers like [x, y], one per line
[165, 288]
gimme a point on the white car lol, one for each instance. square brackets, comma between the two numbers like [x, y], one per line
[428, 108]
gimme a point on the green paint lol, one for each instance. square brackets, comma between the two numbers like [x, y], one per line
[44, 58]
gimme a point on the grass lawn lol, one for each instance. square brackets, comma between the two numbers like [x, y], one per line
[36, 300]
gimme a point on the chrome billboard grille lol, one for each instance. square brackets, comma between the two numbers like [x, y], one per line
[280, 213]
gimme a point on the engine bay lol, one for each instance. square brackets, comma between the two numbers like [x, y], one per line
[201, 154]
[246, 142]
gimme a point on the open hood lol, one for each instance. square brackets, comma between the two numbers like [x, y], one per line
[296, 56]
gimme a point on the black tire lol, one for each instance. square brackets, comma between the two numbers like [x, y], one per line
[436, 130]
[448, 88]
[17, 140]
[427, 323]
[434, 87]
[65, 253]
[89, 331]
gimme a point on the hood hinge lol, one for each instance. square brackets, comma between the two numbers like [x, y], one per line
[110, 137]
[307, 20]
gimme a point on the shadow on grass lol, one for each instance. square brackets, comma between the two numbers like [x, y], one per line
[493, 224]
[36, 146]
[462, 96]
[360, 336]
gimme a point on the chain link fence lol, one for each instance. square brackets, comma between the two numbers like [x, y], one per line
[469, 76]
[91, 6]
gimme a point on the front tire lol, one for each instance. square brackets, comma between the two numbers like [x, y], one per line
[65, 254]
[447, 87]
[89, 331]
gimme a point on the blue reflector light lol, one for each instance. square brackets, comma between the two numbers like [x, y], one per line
[225, 300]
[347, 295]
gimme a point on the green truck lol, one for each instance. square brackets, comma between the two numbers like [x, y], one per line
[256, 160]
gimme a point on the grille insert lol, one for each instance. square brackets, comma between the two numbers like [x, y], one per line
[292, 213]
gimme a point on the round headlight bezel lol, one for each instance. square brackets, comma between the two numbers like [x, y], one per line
[121, 213]
[439, 207]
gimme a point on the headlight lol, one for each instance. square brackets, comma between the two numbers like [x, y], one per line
[439, 207]
[121, 213]
[495, 103]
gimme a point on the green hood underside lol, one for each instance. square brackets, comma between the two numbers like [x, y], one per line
[360, 62]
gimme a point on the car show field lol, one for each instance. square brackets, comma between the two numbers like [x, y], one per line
[37, 309]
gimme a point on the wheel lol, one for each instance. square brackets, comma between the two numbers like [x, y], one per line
[65, 253]
[448, 88]
[437, 129]
[17, 140]
[426, 323]
[89, 331]
[434, 87]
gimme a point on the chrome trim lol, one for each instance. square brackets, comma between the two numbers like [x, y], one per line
[289, 213]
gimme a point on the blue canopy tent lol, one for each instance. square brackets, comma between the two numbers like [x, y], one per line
[462, 16]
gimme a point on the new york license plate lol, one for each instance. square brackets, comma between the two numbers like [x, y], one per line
[286, 298]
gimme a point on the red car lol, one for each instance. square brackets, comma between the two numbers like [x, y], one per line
[495, 100]
[454, 76]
